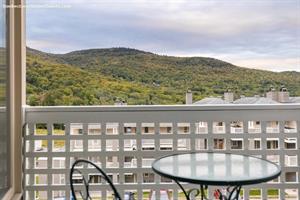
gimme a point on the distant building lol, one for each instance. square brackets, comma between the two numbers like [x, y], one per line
[295, 99]
[255, 100]
[272, 97]
[212, 100]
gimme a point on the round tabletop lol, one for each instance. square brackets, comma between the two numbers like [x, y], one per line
[216, 168]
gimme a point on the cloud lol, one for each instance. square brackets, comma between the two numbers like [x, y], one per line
[271, 64]
[263, 30]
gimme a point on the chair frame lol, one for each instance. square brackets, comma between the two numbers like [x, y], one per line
[86, 183]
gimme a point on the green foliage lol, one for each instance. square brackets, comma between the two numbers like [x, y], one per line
[100, 76]
[3, 76]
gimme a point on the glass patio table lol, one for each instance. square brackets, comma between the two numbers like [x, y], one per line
[216, 169]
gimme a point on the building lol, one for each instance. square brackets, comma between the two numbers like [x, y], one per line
[271, 97]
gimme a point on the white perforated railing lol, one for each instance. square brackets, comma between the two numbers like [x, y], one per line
[124, 140]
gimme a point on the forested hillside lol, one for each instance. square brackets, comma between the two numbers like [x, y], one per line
[102, 76]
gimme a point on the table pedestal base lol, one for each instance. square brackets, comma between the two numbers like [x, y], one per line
[231, 193]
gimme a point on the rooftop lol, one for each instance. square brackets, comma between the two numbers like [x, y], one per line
[255, 100]
[212, 100]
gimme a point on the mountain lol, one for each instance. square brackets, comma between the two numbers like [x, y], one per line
[102, 76]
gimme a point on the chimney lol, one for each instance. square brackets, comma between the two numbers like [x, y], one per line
[189, 97]
[229, 96]
[283, 95]
[272, 94]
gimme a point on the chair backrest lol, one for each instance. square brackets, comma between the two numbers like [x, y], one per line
[85, 194]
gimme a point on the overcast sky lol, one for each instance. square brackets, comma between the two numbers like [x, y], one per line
[250, 33]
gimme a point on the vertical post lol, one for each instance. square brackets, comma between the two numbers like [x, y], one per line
[67, 156]
[17, 79]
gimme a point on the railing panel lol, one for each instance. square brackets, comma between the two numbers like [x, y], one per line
[124, 140]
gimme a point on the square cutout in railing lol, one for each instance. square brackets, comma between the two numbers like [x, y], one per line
[112, 128]
[58, 145]
[40, 145]
[94, 129]
[40, 129]
[129, 128]
[76, 129]
[58, 129]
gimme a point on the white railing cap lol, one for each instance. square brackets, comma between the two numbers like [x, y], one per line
[162, 108]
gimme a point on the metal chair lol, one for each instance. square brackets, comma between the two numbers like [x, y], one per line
[85, 195]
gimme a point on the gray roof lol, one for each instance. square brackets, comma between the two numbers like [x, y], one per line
[211, 100]
[295, 99]
[244, 100]
[255, 100]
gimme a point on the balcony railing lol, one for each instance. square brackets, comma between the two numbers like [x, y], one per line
[49, 142]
